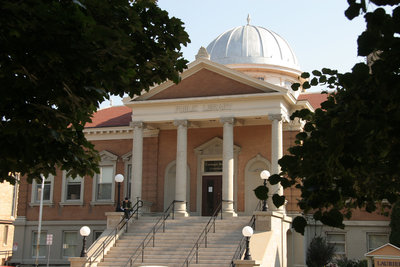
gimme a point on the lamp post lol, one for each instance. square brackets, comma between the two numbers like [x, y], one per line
[264, 176]
[119, 178]
[84, 231]
[247, 231]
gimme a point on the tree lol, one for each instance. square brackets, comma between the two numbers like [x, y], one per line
[59, 59]
[348, 156]
[319, 252]
[394, 237]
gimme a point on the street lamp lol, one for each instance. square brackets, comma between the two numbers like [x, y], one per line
[119, 178]
[85, 231]
[247, 231]
[264, 175]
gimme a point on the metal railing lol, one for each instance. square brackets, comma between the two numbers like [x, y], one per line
[242, 245]
[194, 252]
[5, 254]
[100, 251]
[152, 234]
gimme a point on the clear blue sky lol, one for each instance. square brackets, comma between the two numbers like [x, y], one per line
[317, 30]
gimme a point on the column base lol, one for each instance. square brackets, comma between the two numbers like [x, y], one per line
[229, 214]
[245, 263]
[227, 209]
[181, 214]
[180, 209]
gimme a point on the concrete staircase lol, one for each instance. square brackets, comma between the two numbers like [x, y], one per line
[172, 247]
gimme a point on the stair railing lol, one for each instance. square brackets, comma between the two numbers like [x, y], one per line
[151, 236]
[114, 235]
[194, 252]
[242, 245]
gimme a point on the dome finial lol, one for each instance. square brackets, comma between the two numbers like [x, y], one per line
[248, 19]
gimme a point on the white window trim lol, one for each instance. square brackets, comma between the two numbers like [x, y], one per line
[63, 242]
[338, 242]
[375, 233]
[127, 158]
[33, 252]
[33, 193]
[107, 159]
[64, 200]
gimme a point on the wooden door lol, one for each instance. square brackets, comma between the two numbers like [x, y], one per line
[212, 194]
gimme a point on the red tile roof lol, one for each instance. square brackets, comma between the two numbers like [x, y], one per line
[315, 99]
[111, 117]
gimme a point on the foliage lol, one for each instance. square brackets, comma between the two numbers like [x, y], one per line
[348, 156]
[60, 59]
[345, 262]
[394, 237]
[319, 252]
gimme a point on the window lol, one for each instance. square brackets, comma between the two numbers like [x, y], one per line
[128, 182]
[339, 242]
[70, 244]
[375, 240]
[42, 244]
[96, 235]
[5, 235]
[47, 190]
[72, 190]
[104, 183]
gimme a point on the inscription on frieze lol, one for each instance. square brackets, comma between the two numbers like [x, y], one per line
[203, 107]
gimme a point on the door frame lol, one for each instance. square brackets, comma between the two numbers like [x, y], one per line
[217, 193]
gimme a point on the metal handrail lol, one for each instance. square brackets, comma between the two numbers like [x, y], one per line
[113, 236]
[203, 236]
[6, 254]
[242, 244]
[152, 232]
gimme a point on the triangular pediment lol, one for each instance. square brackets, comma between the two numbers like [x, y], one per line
[213, 147]
[205, 78]
[385, 250]
[205, 83]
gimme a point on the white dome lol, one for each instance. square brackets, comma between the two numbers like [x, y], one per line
[252, 45]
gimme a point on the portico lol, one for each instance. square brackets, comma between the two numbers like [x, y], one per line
[191, 108]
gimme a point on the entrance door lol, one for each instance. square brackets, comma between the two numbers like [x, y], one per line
[212, 194]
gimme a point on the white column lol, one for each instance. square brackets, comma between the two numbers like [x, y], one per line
[227, 167]
[276, 154]
[181, 168]
[137, 161]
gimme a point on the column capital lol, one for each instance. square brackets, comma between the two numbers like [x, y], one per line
[273, 117]
[230, 120]
[136, 124]
[181, 123]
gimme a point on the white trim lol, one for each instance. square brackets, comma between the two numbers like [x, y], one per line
[34, 200]
[107, 159]
[64, 188]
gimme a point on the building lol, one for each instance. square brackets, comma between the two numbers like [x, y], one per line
[201, 142]
[8, 212]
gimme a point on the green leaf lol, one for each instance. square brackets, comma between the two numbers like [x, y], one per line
[274, 179]
[261, 192]
[305, 75]
[295, 86]
[299, 224]
[278, 200]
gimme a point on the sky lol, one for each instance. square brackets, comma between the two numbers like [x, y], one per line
[317, 30]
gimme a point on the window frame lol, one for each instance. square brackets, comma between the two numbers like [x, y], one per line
[338, 254]
[76, 252]
[42, 243]
[107, 159]
[35, 200]
[64, 192]
[375, 233]
[127, 158]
